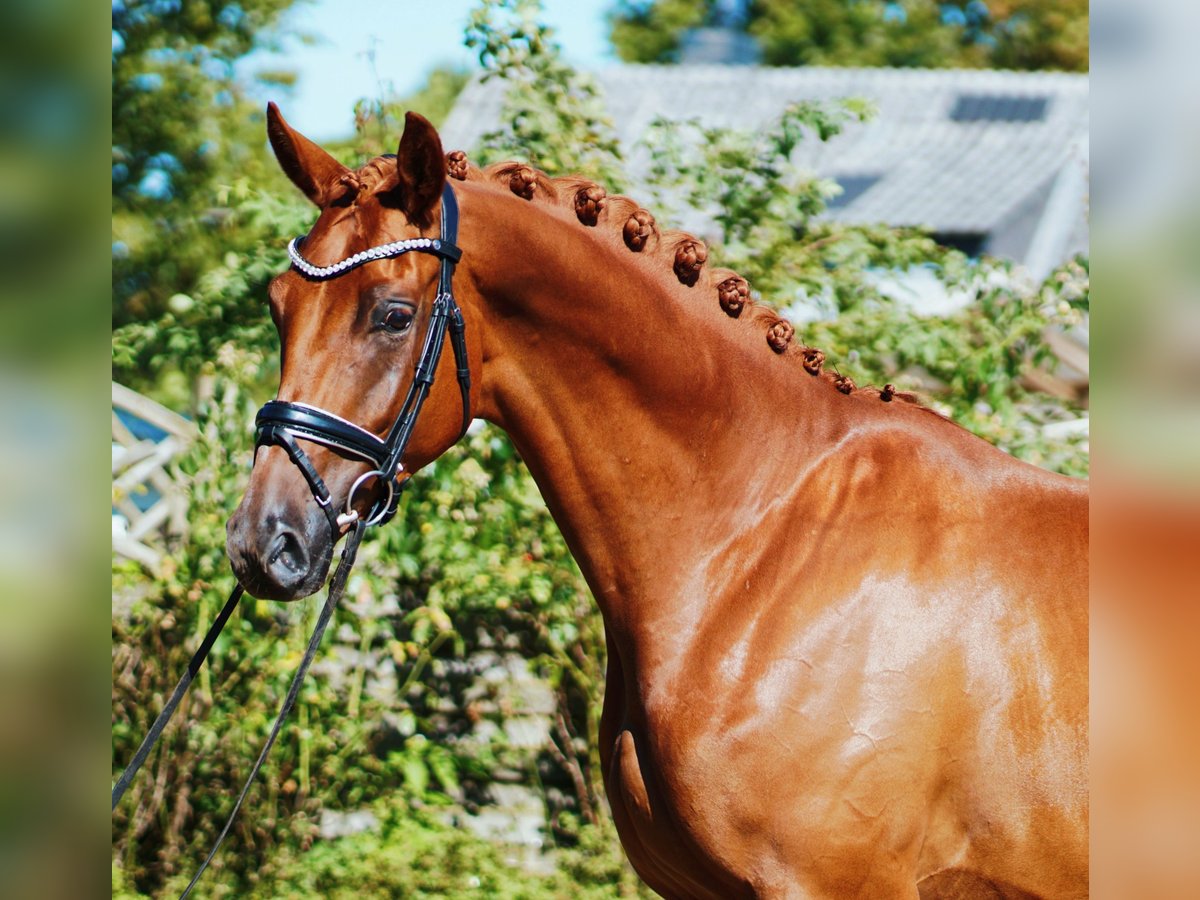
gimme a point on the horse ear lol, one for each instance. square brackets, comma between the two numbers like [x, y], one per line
[322, 178]
[420, 169]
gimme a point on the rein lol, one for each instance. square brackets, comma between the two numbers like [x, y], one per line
[285, 423]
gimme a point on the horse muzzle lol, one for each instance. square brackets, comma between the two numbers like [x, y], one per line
[282, 554]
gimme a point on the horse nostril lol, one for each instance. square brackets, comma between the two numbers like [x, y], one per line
[287, 559]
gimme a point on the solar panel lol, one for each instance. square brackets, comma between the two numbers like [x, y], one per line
[853, 187]
[999, 108]
[969, 242]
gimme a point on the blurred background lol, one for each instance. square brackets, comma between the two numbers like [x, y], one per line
[911, 182]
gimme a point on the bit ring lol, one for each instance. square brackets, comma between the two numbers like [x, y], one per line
[382, 509]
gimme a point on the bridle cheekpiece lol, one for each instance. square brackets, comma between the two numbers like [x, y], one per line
[284, 423]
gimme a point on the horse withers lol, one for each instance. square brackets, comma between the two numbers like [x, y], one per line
[847, 640]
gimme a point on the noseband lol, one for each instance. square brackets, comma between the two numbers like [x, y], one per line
[284, 423]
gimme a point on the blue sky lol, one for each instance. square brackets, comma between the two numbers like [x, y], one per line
[409, 37]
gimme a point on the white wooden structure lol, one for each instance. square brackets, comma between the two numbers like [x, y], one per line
[142, 466]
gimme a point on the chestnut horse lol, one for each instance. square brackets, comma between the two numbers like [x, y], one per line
[847, 640]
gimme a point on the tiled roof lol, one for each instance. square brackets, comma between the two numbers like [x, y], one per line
[955, 150]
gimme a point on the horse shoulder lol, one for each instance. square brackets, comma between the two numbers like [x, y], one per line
[894, 655]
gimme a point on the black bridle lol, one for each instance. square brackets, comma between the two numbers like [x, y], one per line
[284, 423]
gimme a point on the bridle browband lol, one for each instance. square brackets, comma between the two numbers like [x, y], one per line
[285, 423]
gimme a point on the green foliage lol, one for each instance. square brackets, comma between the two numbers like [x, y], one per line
[651, 32]
[546, 99]
[768, 207]
[180, 128]
[1017, 34]
[221, 323]
[172, 87]
[912, 33]
[425, 855]
[1040, 34]
[422, 854]
[379, 121]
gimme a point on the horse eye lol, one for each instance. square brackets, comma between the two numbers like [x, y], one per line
[397, 319]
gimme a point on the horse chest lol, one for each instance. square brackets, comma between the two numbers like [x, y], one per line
[663, 828]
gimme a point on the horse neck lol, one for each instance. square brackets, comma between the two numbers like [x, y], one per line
[644, 413]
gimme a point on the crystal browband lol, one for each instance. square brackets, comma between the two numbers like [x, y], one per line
[383, 251]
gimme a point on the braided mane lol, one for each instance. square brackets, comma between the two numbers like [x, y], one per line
[685, 253]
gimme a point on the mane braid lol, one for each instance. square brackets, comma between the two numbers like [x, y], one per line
[684, 254]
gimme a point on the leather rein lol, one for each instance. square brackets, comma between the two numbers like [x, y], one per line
[286, 423]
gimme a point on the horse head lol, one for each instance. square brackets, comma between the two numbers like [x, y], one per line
[350, 336]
